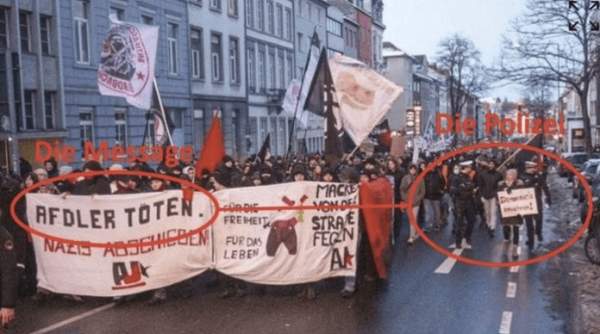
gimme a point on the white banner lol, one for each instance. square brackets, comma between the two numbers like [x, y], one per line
[269, 247]
[137, 218]
[287, 247]
[364, 96]
[520, 202]
[127, 62]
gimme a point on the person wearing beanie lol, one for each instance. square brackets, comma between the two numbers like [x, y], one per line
[96, 185]
[299, 173]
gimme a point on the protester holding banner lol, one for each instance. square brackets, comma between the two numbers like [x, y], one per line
[511, 225]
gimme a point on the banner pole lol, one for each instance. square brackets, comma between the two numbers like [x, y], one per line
[162, 112]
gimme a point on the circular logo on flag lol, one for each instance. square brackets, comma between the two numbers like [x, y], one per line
[124, 62]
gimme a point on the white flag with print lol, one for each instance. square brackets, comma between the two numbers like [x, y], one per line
[127, 62]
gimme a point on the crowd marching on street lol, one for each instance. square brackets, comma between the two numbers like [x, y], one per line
[458, 191]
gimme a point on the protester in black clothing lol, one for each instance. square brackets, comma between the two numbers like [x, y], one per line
[434, 186]
[487, 183]
[92, 185]
[8, 278]
[463, 190]
[535, 179]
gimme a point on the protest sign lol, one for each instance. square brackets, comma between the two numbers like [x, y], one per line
[267, 247]
[136, 218]
[519, 202]
[287, 247]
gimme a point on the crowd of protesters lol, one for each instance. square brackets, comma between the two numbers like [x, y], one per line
[459, 191]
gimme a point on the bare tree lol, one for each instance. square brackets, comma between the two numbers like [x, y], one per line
[553, 41]
[461, 60]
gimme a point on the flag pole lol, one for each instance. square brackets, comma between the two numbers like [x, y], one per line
[163, 113]
[514, 154]
[315, 37]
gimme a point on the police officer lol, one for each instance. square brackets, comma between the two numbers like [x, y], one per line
[8, 278]
[533, 178]
[463, 191]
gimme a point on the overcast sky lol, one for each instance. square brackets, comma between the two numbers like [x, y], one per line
[417, 26]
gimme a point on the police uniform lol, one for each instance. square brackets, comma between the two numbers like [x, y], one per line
[536, 180]
[8, 270]
[463, 192]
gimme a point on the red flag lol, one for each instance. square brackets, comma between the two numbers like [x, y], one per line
[213, 150]
[378, 222]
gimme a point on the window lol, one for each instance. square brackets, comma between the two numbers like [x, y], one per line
[234, 132]
[25, 29]
[309, 10]
[270, 17]
[250, 13]
[86, 126]
[279, 20]
[282, 135]
[150, 131]
[334, 27]
[216, 55]
[196, 2]
[300, 7]
[274, 135]
[121, 127]
[45, 34]
[199, 128]
[49, 108]
[197, 53]
[251, 68]
[80, 26]
[232, 8]
[234, 60]
[147, 19]
[172, 43]
[261, 14]
[263, 130]
[118, 12]
[300, 42]
[4, 19]
[289, 66]
[281, 68]
[272, 69]
[262, 68]
[289, 28]
[29, 115]
[215, 4]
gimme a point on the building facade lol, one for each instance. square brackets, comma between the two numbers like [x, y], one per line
[399, 68]
[32, 95]
[218, 72]
[270, 62]
[92, 117]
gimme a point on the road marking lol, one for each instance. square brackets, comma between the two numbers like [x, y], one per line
[511, 290]
[506, 322]
[448, 264]
[514, 269]
[74, 319]
[575, 221]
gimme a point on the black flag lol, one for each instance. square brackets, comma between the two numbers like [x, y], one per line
[265, 150]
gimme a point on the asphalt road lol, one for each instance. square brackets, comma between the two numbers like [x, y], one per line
[464, 300]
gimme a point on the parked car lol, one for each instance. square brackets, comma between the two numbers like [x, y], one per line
[591, 171]
[577, 160]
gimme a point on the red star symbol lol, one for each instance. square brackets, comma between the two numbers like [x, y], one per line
[140, 76]
[348, 260]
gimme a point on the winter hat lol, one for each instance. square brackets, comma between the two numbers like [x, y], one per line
[92, 165]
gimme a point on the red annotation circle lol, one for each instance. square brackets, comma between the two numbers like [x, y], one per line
[117, 244]
[489, 264]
